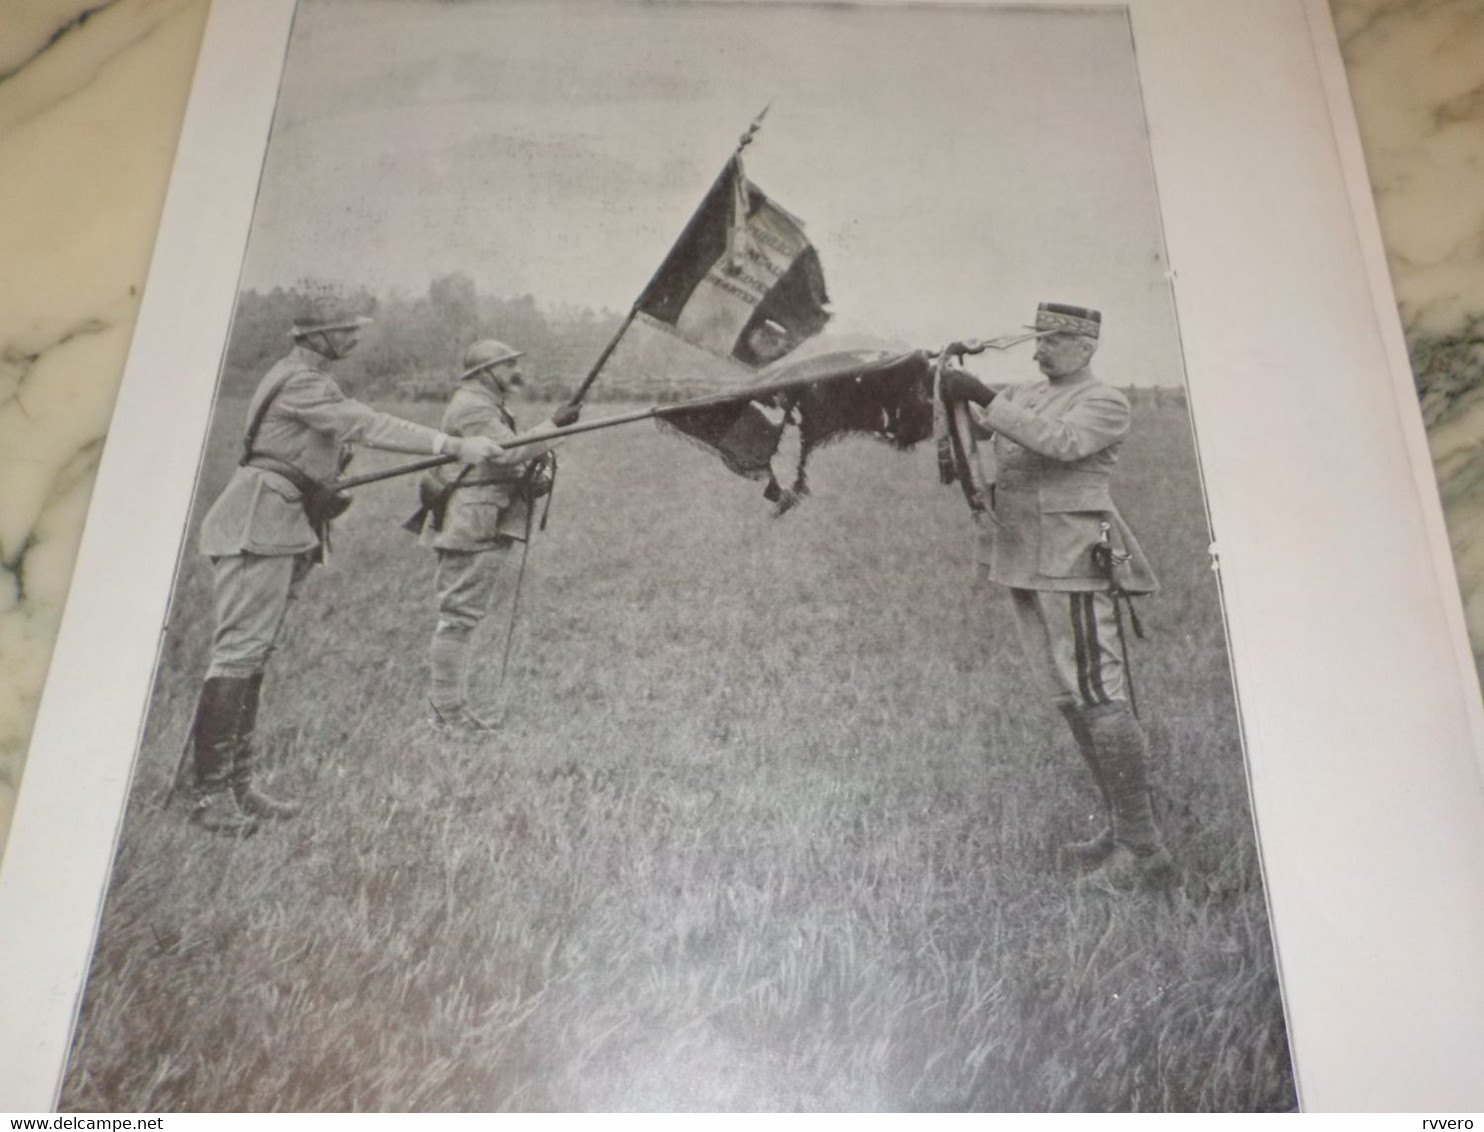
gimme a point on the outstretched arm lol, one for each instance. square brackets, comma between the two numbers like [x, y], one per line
[476, 418]
[320, 404]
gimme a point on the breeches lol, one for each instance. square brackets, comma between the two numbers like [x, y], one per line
[252, 597]
[1072, 642]
[467, 582]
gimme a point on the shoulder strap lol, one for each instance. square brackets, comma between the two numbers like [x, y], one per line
[251, 435]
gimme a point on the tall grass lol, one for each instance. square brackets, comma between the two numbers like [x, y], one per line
[771, 826]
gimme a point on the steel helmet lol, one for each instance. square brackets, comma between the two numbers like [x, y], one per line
[486, 353]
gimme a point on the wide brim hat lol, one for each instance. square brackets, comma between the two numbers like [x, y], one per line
[315, 326]
[1063, 318]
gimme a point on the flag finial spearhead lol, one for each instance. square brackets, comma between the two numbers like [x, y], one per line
[746, 139]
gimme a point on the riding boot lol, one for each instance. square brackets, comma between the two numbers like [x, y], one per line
[249, 797]
[213, 752]
[1095, 850]
[1139, 856]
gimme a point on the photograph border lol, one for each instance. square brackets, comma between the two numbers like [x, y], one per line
[1364, 761]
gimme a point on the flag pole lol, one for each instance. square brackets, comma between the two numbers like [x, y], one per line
[592, 374]
[597, 367]
[710, 401]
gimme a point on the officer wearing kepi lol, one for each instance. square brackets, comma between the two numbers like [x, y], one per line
[475, 517]
[1069, 559]
[265, 531]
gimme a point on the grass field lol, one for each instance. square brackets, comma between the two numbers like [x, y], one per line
[771, 826]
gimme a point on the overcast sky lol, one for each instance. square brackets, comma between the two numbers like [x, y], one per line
[953, 165]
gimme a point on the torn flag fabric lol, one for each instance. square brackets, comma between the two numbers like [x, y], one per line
[884, 394]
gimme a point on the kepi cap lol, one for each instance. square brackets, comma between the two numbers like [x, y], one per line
[1063, 318]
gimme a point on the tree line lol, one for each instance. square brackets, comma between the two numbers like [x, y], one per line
[414, 345]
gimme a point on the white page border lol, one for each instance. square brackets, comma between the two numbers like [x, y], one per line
[1360, 708]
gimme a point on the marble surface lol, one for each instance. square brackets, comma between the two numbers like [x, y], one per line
[91, 100]
[1416, 70]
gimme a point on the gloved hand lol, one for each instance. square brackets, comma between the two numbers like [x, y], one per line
[956, 385]
[566, 415]
[474, 449]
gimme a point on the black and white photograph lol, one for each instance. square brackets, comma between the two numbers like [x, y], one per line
[698, 594]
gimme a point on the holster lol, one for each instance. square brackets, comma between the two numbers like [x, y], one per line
[433, 496]
[321, 502]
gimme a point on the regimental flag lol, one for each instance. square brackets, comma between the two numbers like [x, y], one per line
[744, 283]
[741, 263]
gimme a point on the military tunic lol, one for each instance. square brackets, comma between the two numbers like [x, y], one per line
[486, 514]
[1055, 445]
[487, 508]
[256, 534]
[307, 425]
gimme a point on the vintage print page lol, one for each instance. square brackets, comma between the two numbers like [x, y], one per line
[720, 569]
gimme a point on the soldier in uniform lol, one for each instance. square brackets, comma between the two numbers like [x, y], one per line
[265, 531]
[482, 515]
[1068, 557]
